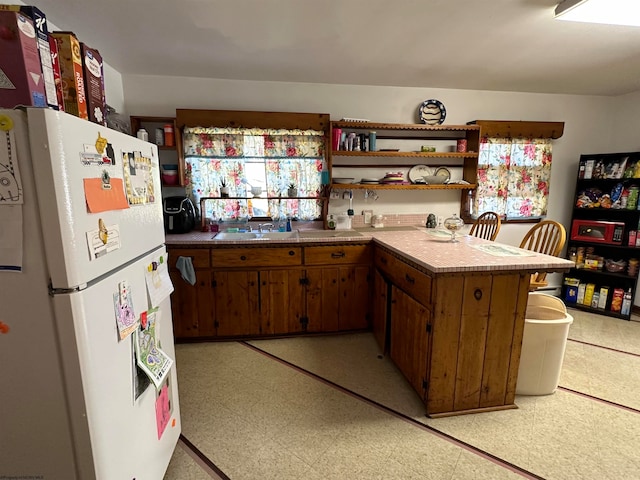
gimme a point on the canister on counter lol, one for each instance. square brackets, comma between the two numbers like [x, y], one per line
[461, 145]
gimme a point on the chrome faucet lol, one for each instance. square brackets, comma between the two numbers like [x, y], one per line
[263, 225]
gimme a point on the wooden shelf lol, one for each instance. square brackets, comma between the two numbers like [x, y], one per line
[429, 155]
[377, 186]
[263, 198]
[408, 131]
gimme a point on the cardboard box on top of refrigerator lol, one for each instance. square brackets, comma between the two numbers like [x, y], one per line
[40, 23]
[53, 46]
[70, 60]
[21, 81]
[94, 84]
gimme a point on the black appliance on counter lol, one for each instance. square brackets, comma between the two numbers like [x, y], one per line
[179, 215]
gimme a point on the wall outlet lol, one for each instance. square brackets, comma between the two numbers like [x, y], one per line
[367, 216]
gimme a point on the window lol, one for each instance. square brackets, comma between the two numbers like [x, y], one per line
[513, 177]
[246, 158]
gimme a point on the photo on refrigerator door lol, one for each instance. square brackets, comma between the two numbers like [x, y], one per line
[138, 178]
[151, 358]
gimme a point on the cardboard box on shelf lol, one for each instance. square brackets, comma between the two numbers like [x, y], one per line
[21, 81]
[53, 47]
[40, 24]
[70, 60]
[588, 293]
[604, 294]
[94, 84]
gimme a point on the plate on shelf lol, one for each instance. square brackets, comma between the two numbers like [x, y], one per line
[417, 172]
[443, 172]
[432, 112]
[343, 180]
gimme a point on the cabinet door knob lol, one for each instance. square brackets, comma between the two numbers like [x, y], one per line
[291, 253]
[409, 278]
[243, 258]
[337, 255]
[477, 294]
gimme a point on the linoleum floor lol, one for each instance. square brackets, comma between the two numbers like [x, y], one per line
[331, 407]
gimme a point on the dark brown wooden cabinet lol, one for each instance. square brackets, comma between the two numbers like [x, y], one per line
[192, 306]
[410, 325]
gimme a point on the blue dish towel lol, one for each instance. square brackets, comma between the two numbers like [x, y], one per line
[185, 266]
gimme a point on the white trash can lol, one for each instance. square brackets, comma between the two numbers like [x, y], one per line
[546, 328]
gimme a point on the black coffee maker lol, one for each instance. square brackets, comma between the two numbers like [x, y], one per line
[179, 215]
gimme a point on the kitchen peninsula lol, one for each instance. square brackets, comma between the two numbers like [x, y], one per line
[450, 315]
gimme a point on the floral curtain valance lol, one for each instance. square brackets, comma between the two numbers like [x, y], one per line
[513, 177]
[253, 142]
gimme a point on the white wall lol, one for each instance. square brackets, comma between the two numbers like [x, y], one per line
[588, 124]
[114, 91]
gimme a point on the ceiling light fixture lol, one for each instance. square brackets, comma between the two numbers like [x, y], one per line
[612, 12]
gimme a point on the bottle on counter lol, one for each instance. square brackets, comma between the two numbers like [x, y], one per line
[331, 223]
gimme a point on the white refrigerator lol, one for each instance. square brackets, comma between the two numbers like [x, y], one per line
[81, 247]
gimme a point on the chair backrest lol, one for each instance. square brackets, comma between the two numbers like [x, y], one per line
[486, 226]
[546, 237]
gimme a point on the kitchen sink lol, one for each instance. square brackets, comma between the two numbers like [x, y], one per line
[329, 233]
[255, 235]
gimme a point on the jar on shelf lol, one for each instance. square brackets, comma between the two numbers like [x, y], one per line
[168, 135]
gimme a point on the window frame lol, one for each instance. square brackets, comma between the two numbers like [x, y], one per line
[257, 119]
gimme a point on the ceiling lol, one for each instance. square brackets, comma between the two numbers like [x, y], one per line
[499, 45]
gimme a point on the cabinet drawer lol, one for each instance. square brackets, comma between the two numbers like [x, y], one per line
[404, 276]
[338, 254]
[199, 256]
[256, 257]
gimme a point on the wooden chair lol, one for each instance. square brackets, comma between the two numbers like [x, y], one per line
[486, 226]
[546, 237]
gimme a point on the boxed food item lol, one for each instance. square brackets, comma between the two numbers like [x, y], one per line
[602, 300]
[616, 300]
[588, 293]
[21, 81]
[571, 291]
[94, 84]
[581, 291]
[42, 36]
[70, 60]
[53, 47]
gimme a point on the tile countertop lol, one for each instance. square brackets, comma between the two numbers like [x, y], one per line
[433, 252]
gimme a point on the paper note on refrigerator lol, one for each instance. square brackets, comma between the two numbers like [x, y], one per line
[100, 199]
[10, 182]
[159, 283]
[151, 358]
[163, 410]
[125, 316]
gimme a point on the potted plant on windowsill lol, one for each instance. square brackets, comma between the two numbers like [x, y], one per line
[224, 190]
[292, 190]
